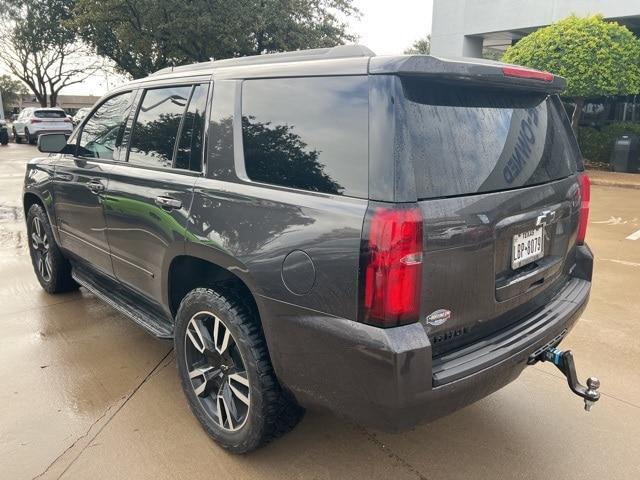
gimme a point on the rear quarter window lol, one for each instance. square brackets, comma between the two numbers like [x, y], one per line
[307, 133]
[464, 140]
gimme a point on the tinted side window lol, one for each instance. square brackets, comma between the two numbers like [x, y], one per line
[189, 153]
[102, 133]
[153, 138]
[307, 133]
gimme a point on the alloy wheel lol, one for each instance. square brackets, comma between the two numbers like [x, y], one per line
[40, 245]
[217, 371]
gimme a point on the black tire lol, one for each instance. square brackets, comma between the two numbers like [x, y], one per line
[5, 139]
[16, 137]
[270, 411]
[31, 140]
[51, 267]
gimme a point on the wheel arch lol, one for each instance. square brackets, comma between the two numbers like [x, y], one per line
[30, 198]
[188, 271]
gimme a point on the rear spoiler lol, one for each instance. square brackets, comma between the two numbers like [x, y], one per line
[472, 70]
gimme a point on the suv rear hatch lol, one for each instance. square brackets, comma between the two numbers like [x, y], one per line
[51, 119]
[496, 177]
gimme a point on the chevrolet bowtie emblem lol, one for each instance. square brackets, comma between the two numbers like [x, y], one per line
[545, 217]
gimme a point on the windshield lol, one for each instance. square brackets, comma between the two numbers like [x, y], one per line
[464, 140]
[49, 114]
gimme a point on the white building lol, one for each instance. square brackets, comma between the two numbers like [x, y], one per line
[466, 27]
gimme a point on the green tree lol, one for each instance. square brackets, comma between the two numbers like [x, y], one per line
[597, 58]
[40, 49]
[278, 152]
[10, 88]
[142, 36]
[420, 47]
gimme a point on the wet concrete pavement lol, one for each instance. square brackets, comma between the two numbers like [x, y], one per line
[85, 393]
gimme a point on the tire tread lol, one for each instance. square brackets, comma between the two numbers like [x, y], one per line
[61, 279]
[280, 413]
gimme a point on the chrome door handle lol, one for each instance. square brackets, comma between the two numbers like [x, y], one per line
[168, 203]
[96, 186]
[63, 177]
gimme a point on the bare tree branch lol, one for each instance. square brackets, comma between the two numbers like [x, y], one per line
[40, 50]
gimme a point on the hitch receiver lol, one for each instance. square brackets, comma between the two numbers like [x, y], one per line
[564, 361]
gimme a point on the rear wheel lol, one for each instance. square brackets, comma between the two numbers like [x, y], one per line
[16, 137]
[30, 139]
[51, 267]
[226, 373]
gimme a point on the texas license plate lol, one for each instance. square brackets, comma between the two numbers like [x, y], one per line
[527, 247]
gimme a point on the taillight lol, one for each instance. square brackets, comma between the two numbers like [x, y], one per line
[585, 195]
[35, 120]
[392, 266]
[520, 72]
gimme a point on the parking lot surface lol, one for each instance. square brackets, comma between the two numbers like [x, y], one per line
[88, 394]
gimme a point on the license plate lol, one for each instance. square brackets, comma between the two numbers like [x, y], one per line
[527, 247]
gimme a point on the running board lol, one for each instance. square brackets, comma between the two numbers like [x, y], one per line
[122, 300]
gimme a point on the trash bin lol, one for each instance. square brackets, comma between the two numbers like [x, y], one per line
[625, 156]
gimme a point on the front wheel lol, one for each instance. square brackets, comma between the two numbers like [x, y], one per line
[16, 137]
[51, 267]
[226, 373]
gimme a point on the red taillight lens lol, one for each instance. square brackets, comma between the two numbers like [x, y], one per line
[35, 120]
[393, 267]
[66, 120]
[585, 195]
[520, 72]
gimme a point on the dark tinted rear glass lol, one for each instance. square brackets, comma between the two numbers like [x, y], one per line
[49, 114]
[307, 133]
[189, 153]
[465, 140]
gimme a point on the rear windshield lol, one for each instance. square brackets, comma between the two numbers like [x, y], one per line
[466, 140]
[49, 114]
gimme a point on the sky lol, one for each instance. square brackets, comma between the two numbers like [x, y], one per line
[391, 26]
[385, 26]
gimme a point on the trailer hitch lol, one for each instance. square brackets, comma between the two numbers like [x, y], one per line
[564, 361]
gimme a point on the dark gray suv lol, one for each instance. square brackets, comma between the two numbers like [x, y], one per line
[389, 238]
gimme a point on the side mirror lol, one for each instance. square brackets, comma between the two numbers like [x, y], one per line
[52, 142]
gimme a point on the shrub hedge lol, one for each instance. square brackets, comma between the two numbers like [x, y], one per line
[596, 145]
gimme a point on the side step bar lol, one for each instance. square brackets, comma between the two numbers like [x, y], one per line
[115, 296]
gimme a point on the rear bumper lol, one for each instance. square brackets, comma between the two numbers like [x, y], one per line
[37, 133]
[388, 379]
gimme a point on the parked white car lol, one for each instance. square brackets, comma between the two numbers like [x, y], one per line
[35, 121]
[80, 114]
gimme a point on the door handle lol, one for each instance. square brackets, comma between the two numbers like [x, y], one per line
[96, 186]
[63, 177]
[168, 203]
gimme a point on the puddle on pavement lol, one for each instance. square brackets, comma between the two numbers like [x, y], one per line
[12, 231]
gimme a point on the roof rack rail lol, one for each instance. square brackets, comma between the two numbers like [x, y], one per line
[341, 51]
